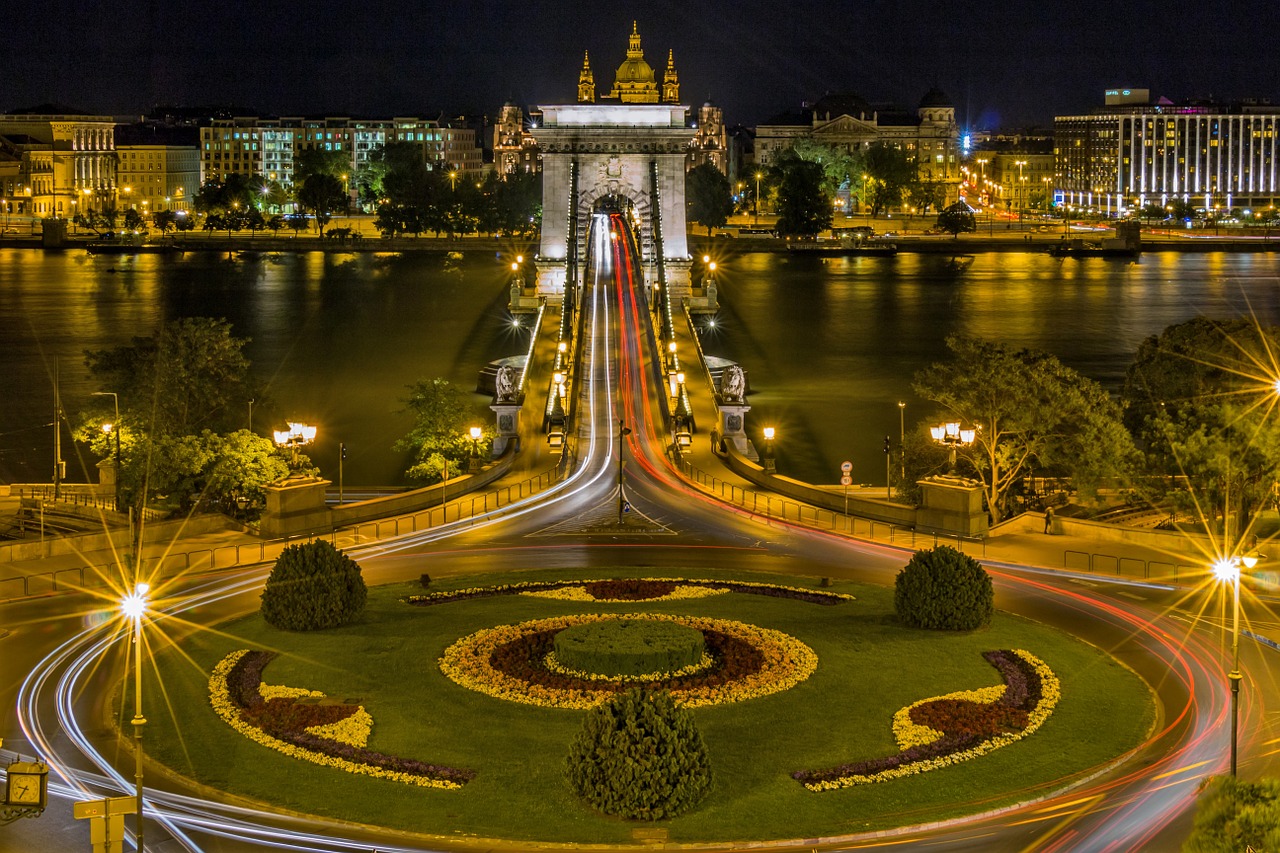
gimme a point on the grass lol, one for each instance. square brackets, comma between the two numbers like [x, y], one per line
[869, 667]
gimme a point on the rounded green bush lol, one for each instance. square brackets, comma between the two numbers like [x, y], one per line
[639, 756]
[313, 586]
[944, 589]
[629, 647]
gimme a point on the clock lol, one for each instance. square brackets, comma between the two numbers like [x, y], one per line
[27, 784]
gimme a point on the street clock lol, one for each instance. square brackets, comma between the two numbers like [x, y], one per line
[27, 784]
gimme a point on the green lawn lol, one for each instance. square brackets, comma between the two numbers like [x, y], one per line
[869, 667]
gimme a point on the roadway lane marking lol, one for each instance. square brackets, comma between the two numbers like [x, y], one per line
[1179, 770]
[1062, 827]
[1131, 595]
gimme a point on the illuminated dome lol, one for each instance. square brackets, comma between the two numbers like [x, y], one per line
[635, 82]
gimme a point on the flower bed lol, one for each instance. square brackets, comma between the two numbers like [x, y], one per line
[948, 729]
[633, 589]
[509, 662]
[328, 734]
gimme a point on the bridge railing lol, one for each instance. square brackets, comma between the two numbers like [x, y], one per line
[771, 508]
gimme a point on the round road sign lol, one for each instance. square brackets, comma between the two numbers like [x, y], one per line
[846, 467]
[846, 480]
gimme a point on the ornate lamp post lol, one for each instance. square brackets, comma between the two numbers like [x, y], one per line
[951, 436]
[294, 437]
[1227, 570]
[770, 467]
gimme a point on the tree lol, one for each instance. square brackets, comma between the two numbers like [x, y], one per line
[519, 203]
[708, 196]
[1234, 815]
[640, 756]
[438, 437]
[1028, 409]
[164, 220]
[296, 221]
[840, 168]
[957, 218]
[312, 587]
[803, 208]
[1153, 212]
[890, 172]
[322, 194]
[1201, 400]
[133, 220]
[318, 161]
[943, 589]
[190, 376]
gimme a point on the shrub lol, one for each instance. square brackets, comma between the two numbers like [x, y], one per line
[943, 589]
[313, 586]
[1232, 815]
[629, 647]
[639, 756]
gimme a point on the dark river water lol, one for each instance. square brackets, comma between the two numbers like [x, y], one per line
[830, 344]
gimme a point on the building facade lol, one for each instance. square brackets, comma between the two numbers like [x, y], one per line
[710, 140]
[158, 166]
[515, 149]
[635, 81]
[1021, 176]
[848, 123]
[67, 162]
[1131, 153]
[267, 147]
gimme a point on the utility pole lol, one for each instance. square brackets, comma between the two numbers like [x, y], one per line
[342, 457]
[58, 467]
[623, 432]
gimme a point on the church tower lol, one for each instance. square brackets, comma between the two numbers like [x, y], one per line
[586, 82]
[671, 82]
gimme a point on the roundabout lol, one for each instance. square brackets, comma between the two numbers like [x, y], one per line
[461, 726]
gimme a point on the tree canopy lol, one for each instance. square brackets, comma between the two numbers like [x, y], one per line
[890, 174]
[322, 194]
[1201, 399]
[440, 434]
[803, 207]
[957, 218]
[1027, 408]
[708, 196]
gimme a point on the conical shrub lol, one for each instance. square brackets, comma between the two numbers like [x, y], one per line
[313, 586]
[944, 589]
[640, 756]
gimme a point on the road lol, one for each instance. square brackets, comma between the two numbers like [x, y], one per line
[63, 661]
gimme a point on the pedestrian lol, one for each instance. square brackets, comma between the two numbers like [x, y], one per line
[1048, 519]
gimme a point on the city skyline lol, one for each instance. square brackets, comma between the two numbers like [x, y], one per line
[1000, 70]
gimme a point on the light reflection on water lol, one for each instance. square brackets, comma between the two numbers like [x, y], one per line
[830, 344]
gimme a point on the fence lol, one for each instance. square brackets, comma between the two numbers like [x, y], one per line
[776, 507]
[1128, 567]
[248, 553]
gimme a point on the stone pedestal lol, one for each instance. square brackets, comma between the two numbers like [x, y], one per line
[507, 416]
[951, 505]
[552, 275]
[107, 476]
[295, 506]
[679, 280]
[733, 420]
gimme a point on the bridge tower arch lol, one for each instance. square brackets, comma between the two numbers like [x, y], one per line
[633, 151]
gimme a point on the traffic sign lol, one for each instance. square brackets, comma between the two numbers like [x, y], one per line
[846, 467]
[103, 808]
[846, 480]
[626, 506]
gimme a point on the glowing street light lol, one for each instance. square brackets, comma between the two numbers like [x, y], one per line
[294, 437]
[134, 608]
[769, 466]
[473, 464]
[114, 426]
[1227, 570]
[951, 436]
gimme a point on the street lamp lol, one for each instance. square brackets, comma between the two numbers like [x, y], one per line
[134, 607]
[1228, 570]
[114, 426]
[623, 432]
[770, 466]
[755, 202]
[294, 437]
[902, 439]
[951, 436]
[473, 464]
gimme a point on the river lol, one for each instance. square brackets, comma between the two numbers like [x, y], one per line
[830, 345]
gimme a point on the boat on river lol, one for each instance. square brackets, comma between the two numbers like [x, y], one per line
[109, 247]
[843, 247]
[1105, 249]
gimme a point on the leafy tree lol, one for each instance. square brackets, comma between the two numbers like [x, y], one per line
[191, 376]
[274, 223]
[944, 590]
[296, 221]
[254, 220]
[957, 218]
[442, 417]
[133, 220]
[184, 221]
[890, 172]
[223, 193]
[1182, 210]
[1028, 409]
[1234, 815]
[322, 194]
[1153, 212]
[1200, 398]
[318, 161]
[164, 220]
[708, 196]
[926, 194]
[803, 208]
[639, 756]
[519, 203]
[840, 168]
[312, 587]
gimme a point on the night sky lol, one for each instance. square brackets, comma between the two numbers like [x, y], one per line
[1004, 64]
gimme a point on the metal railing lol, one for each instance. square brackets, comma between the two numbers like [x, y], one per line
[1127, 567]
[776, 507]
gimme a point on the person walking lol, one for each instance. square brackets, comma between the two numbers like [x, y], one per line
[1048, 519]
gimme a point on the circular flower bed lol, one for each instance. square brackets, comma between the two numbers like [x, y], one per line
[510, 662]
[633, 589]
[634, 647]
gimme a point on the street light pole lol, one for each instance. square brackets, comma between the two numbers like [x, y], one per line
[134, 606]
[902, 439]
[1229, 569]
[755, 207]
[115, 427]
[623, 432]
